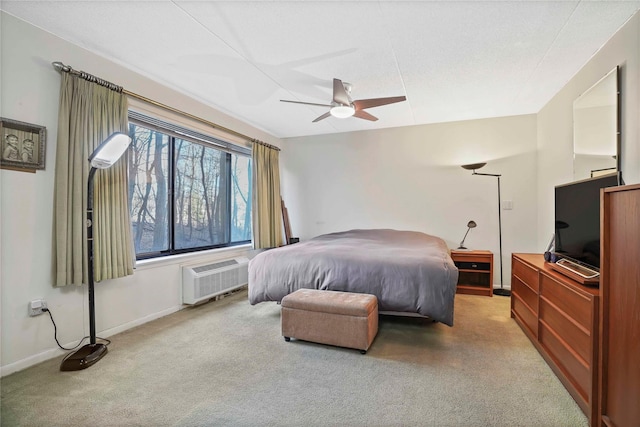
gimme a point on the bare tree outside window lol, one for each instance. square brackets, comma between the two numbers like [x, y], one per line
[240, 198]
[201, 219]
[202, 201]
[148, 167]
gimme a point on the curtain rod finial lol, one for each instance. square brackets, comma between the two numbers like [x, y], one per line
[59, 66]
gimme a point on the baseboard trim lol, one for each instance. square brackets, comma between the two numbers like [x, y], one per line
[57, 352]
[141, 321]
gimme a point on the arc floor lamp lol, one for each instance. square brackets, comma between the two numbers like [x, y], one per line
[103, 157]
[473, 167]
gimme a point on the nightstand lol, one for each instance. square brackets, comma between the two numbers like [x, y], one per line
[475, 272]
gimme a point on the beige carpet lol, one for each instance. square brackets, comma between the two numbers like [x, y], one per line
[225, 364]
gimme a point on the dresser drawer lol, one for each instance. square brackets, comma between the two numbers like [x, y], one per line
[528, 275]
[568, 301]
[525, 293]
[574, 369]
[568, 332]
[524, 314]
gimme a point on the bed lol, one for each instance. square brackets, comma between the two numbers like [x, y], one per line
[408, 271]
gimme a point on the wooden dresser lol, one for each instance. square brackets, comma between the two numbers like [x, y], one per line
[560, 316]
[619, 389]
[590, 336]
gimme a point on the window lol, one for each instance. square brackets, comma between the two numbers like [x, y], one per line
[187, 191]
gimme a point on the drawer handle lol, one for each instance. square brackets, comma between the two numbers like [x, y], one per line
[474, 265]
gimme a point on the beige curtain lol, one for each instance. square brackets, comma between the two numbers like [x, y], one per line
[88, 114]
[266, 205]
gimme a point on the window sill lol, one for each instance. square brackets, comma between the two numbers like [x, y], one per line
[195, 257]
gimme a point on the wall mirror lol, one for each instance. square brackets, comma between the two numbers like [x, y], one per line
[596, 129]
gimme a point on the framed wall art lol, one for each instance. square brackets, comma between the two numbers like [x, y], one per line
[23, 145]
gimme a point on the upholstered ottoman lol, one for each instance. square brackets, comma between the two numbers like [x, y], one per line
[342, 319]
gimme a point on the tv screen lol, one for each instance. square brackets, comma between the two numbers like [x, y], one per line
[577, 219]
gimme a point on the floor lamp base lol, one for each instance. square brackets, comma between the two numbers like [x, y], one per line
[84, 357]
[502, 292]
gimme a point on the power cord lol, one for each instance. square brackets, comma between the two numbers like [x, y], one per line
[55, 334]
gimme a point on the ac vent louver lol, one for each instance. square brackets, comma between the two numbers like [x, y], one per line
[206, 281]
[215, 266]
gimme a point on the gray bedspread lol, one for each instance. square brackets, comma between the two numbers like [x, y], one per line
[408, 271]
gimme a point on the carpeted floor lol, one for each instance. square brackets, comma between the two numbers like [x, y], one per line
[225, 364]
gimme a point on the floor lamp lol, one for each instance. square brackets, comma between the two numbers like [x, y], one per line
[473, 167]
[103, 157]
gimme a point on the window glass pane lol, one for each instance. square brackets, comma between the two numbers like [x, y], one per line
[240, 198]
[148, 189]
[185, 193]
[201, 202]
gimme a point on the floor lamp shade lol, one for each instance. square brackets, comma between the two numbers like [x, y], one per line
[473, 166]
[110, 150]
[103, 157]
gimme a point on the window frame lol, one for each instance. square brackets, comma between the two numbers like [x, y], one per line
[175, 131]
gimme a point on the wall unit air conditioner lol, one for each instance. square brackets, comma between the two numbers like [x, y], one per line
[202, 282]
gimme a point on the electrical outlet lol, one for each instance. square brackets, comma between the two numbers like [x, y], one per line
[36, 306]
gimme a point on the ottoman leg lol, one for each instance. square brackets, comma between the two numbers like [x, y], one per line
[287, 339]
[363, 351]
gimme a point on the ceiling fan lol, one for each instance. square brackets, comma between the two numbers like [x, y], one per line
[343, 106]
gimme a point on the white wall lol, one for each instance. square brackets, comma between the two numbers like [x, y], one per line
[410, 178]
[30, 93]
[555, 121]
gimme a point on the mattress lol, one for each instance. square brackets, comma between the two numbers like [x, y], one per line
[408, 271]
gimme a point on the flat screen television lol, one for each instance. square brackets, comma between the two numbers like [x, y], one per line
[577, 219]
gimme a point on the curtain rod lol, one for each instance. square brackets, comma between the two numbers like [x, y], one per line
[265, 144]
[90, 77]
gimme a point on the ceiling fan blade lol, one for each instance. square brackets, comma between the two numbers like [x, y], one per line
[361, 104]
[340, 95]
[324, 116]
[364, 115]
[306, 103]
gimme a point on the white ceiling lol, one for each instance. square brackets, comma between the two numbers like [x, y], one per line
[453, 60]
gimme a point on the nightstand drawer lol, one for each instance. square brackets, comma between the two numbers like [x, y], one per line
[467, 265]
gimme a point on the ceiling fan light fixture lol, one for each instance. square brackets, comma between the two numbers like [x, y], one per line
[342, 111]
[342, 106]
